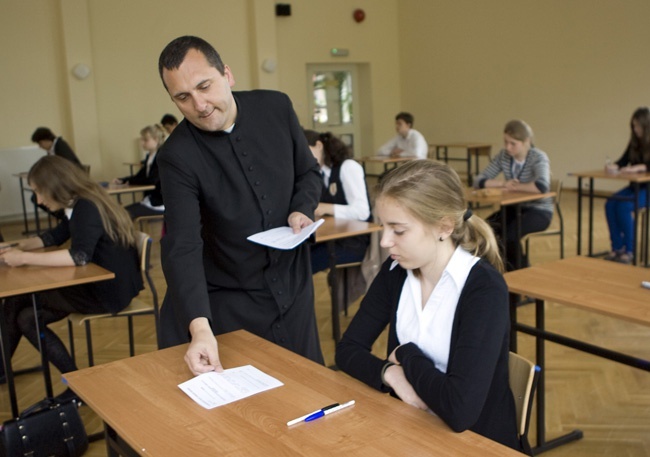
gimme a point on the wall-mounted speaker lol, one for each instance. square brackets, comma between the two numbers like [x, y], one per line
[283, 9]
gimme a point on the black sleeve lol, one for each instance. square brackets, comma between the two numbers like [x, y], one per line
[481, 320]
[140, 178]
[86, 229]
[625, 158]
[353, 352]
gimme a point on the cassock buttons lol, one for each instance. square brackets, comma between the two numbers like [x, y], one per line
[257, 183]
[269, 212]
[244, 153]
[250, 168]
[274, 280]
[264, 197]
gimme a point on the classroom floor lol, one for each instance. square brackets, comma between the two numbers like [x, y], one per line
[609, 402]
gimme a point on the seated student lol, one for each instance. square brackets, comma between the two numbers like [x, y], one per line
[57, 146]
[54, 145]
[408, 142]
[620, 213]
[151, 138]
[344, 195]
[525, 169]
[169, 123]
[99, 231]
[446, 304]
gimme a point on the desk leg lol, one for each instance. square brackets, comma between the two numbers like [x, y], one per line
[635, 243]
[579, 243]
[503, 236]
[6, 357]
[647, 218]
[591, 217]
[40, 327]
[334, 290]
[469, 166]
[542, 444]
[518, 258]
[36, 218]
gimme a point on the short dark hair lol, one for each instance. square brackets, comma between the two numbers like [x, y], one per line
[406, 117]
[42, 133]
[174, 53]
[169, 119]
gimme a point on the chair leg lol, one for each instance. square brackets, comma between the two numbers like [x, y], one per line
[71, 339]
[89, 344]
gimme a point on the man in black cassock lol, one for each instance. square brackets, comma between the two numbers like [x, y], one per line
[236, 165]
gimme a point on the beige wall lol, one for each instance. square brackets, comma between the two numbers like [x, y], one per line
[575, 70]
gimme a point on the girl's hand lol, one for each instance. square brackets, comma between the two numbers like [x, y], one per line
[13, 257]
[324, 209]
[117, 181]
[611, 168]
[396, 379]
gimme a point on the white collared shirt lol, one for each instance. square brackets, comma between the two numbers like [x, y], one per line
[50, 151]
[354, 187]
[430, 327]
[414, 145]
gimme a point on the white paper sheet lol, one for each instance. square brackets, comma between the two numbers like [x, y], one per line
[283, 237]
[216, 389]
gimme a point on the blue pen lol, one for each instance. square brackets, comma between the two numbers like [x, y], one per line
[302, 418]
[325, 412]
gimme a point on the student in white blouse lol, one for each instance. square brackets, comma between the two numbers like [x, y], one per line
[444, 299]
[408, 142]
[344, 196]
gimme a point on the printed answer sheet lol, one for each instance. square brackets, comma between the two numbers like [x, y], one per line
[216, 389]
[283, 237]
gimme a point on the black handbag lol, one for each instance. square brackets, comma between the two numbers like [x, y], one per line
[48, 428]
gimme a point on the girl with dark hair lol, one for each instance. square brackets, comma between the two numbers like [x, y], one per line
[619, 209]
[344, 196]
[99, 231]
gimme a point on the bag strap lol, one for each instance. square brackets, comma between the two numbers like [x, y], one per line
[68, 436]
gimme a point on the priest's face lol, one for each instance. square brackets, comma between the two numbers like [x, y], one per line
[201, 93]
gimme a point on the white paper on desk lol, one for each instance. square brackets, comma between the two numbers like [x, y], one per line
[283, 237]
[216, 389]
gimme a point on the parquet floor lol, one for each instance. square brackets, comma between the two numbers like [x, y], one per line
[608, 401]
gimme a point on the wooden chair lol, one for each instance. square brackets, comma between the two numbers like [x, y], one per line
[523, 382]
[556, 186]
[137, 307]
[142, 220]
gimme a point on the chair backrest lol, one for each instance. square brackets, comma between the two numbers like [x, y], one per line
[144, 243]
[556, 186]
[523, 381]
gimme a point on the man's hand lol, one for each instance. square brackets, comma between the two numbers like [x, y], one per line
[297, 221]
[396, 152]
[202, 355]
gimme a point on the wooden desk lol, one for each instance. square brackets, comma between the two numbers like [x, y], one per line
[590, 284]
[335, 229]
[143, 408]
[33, 279]
[636, 180]
[385, 160]
[473, 149]
[119, 189]
[505, 199]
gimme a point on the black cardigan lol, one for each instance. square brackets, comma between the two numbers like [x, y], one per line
[474, 393]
